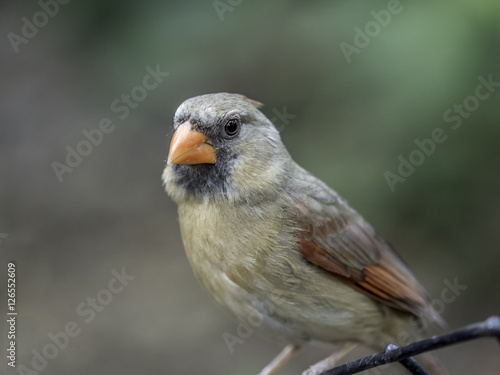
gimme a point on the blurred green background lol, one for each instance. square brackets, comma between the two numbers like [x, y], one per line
[352, 121]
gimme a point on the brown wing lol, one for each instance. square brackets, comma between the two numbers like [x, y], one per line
[340, 242]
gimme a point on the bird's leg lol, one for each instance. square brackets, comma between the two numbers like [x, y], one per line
[330, 361]
[279, 361]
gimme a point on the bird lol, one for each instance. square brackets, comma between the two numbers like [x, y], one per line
[271, 242]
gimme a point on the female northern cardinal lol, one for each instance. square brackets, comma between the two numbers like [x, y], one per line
[269, 240]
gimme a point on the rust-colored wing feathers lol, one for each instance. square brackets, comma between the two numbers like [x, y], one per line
[346, 247]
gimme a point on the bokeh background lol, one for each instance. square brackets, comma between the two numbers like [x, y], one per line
[351, 122]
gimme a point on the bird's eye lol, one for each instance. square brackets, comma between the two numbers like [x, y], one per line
[232, 127]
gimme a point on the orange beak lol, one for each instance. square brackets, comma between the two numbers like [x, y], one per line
[189, 146]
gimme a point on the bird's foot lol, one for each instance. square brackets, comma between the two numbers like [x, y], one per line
[330, 362]
[315, 370]
[277, 363]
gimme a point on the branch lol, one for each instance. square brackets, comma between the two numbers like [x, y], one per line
[403, 355]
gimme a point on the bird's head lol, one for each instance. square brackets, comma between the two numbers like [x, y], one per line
[223, 147]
